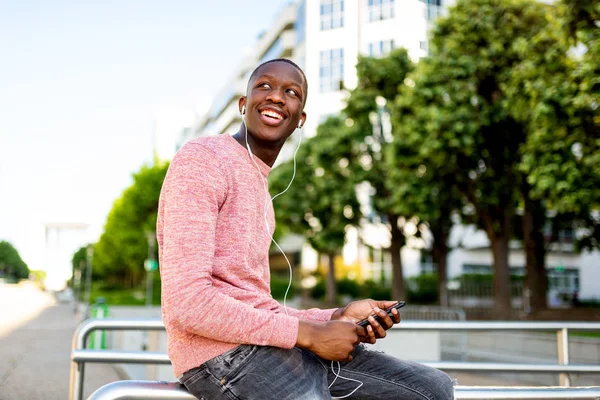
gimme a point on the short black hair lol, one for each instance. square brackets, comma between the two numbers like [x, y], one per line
[285, 60]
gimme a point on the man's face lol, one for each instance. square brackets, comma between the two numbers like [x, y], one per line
[275, 102]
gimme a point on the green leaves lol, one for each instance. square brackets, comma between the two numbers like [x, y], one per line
[120, 253]
[12, 267]
[321, 202]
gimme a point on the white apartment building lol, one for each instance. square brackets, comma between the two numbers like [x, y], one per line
[325, 38]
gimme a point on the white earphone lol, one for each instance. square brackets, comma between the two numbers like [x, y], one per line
[243, 110]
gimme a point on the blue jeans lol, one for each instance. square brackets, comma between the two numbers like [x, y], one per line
[258, 372]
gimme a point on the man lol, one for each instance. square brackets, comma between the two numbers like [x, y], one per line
[227, 337]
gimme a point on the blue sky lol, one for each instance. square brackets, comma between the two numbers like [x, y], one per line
[81, 83]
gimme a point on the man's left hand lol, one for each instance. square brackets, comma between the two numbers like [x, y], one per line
[359, 310]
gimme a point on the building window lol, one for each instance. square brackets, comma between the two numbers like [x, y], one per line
[381, 9]
[331, 70]
[433, 9]
[332, 14]
[381, 48]
[300, 24]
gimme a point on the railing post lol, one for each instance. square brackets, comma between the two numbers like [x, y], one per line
[563, 355]
[78, 369]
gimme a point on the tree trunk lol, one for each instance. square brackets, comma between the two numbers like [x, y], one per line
[439, 253]
[502, 295]
[330, 288]
[535, 252]
[398, 241]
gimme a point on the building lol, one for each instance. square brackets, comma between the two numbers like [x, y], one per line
[62, 240]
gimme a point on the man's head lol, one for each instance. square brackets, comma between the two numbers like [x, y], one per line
[285, 60]
[274, 101]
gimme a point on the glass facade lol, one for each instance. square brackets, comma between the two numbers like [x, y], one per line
[332, 14]
[331, 70]
[381, 9]
[300, 24]
[381, 47]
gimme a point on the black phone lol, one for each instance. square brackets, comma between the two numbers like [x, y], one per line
[365, 322]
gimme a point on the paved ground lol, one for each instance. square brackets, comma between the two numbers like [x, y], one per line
[35, 347]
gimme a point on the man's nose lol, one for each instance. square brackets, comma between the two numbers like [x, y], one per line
[276, 96]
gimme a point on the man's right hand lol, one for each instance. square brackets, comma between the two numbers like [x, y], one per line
[332, 340]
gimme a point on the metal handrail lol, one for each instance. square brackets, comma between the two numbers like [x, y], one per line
[80, 338]
[80, 355]
[138, 390]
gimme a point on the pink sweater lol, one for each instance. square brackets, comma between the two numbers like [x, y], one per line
[213, 250]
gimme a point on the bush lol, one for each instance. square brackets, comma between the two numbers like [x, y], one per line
[422, 289]
[279, 286]
[348, 287]
[375, 290]
[318, 291]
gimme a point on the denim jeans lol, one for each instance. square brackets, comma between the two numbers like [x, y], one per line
[258, 372]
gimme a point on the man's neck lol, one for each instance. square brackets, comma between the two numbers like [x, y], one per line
[266, 151]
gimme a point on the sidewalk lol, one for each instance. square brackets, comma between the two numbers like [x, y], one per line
[35, 348]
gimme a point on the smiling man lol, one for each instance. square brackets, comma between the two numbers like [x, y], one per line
[227, 337]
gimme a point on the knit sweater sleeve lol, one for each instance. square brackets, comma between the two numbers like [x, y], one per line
[312, 314]
[192, 193]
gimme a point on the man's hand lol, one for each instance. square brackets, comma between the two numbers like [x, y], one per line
[359, 310]
[333, 340]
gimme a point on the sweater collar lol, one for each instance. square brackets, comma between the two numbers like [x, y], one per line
[243, 152]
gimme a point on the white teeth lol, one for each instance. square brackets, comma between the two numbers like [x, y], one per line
[271, 114]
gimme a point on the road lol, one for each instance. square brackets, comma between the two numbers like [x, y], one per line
[35, 347]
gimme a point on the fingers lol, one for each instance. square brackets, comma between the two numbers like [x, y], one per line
[395, 316]
[371, 338]
[384, 318]
[379, 330]
[385, 304]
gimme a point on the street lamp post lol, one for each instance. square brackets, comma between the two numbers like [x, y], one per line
[150, 266]
[88, 279]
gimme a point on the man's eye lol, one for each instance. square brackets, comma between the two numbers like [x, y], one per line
[293, 91]
[264, 84]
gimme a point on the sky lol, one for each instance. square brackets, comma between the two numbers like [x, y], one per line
[81, 86]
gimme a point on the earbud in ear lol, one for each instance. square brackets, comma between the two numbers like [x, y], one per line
[299, 124]
[243, 110]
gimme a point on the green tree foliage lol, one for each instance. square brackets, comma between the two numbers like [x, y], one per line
[379, 78]
[79, 270]
[79, 259]
[120, 253]
[429, 194]
[321, 203]
[553, 92]
[12, 267]
[470, 132]
[557, 91]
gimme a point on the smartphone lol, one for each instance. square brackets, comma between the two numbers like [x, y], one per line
[365, 322]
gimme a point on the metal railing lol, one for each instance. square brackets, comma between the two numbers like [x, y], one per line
[144, 390]
[433, 313]
[80, 355]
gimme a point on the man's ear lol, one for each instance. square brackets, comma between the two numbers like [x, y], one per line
[302, 120]
[242, 105]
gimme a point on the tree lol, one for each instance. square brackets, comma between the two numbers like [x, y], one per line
[554, 92]
[426, 193]
[79, 270]
[470, 132]
[322, 203]
[11, 265]
[123, 246]
[379, 79]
